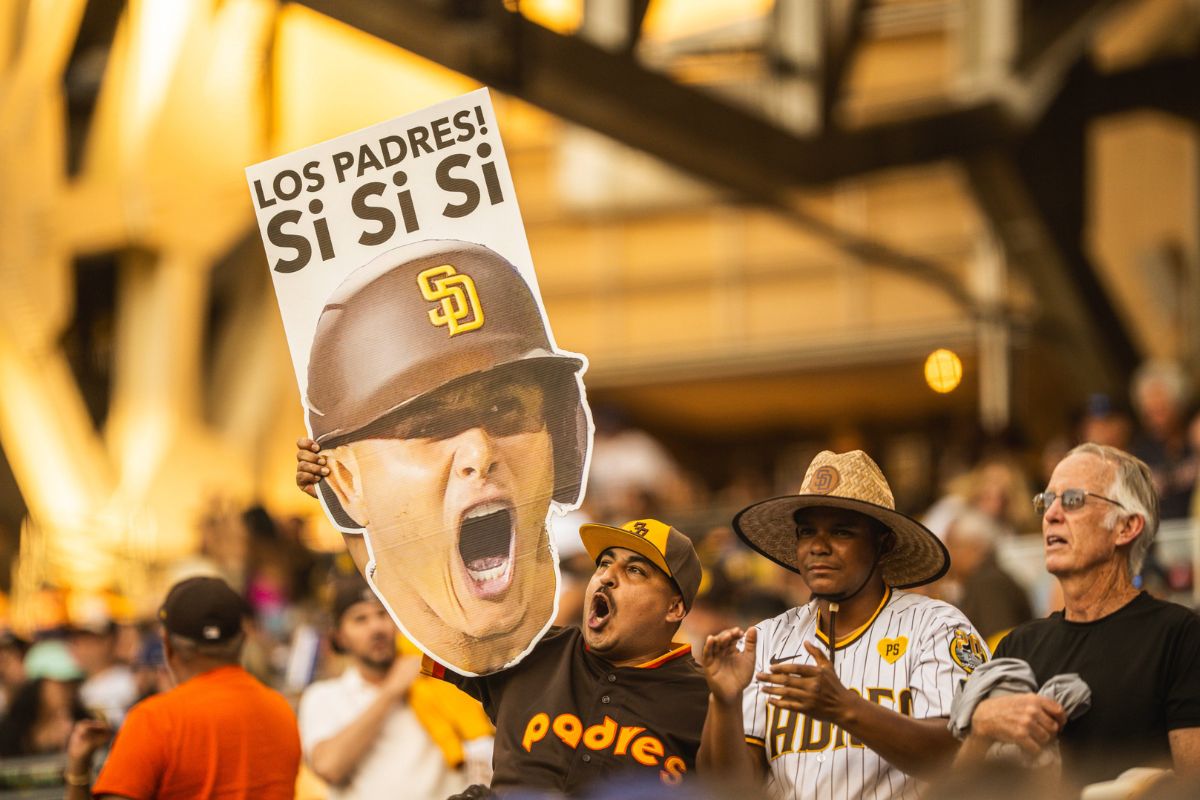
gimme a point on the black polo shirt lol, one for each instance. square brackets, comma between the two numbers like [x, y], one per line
[565, 717]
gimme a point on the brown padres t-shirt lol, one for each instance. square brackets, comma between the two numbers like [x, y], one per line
[220, 734]
[566, 718]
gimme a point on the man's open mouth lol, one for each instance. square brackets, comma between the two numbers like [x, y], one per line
[486, 538]
[600, 611]
[1052, 540]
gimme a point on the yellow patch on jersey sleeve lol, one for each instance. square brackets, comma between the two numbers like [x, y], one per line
[892, 649]
[966, 650]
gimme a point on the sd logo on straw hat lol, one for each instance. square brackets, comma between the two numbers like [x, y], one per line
[825, 479]
[854, 482]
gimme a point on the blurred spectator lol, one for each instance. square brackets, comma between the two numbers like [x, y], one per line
[150, 672]
[726, 606]
[269, 582]
[1054, 451]
[746, 483]
[108, 689]
[996, 487]
[360, 731]
[732, 569]
[300, 559]
[1160, 395]
[218, 733]
[990, 597]
[739, 588]
[1106, 422]
[631, 475]
[129, 639]
[224, 545]
[12, 666]
[712, 612]
[47, 705]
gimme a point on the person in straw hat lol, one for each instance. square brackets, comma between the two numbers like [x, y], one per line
[848, 695]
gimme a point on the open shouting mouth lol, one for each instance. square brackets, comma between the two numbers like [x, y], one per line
[486, 541]
[600, 611]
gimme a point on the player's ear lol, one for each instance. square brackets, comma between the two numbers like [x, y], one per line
[677, 610]
[887, 541]
[345, 482]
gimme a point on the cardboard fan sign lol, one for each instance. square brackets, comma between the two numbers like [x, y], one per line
[452, 424]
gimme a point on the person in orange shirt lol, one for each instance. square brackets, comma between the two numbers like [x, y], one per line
[218, 733]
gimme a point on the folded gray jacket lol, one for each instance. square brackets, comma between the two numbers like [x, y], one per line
[1007, 676]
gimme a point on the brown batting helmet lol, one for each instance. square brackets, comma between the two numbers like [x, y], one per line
[421, 317]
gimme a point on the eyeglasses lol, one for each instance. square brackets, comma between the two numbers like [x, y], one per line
[1072, 500]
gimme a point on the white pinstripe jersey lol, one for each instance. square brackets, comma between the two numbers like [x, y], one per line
[908, 657]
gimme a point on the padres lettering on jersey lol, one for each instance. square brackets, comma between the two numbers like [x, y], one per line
[908, 657]
[816, 735]
[631, 741]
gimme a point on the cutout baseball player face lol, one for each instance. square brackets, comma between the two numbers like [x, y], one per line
[451, 426]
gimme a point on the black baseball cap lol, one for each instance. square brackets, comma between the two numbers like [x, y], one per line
[349, 591]
[204, 610]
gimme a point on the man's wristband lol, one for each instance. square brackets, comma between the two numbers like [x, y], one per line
[84, 779]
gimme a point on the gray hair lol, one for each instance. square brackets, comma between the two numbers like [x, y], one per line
[229, 651]
[1165, 372]
[975, 526]
[1133, 487]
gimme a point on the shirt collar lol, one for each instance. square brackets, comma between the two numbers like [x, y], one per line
[353, 679]
[677, 651]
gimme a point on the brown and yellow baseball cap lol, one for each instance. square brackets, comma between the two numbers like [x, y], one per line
[665, 547]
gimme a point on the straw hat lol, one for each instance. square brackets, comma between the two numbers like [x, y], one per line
[854, 482]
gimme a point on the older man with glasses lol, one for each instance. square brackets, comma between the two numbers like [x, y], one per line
[1140, 656]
